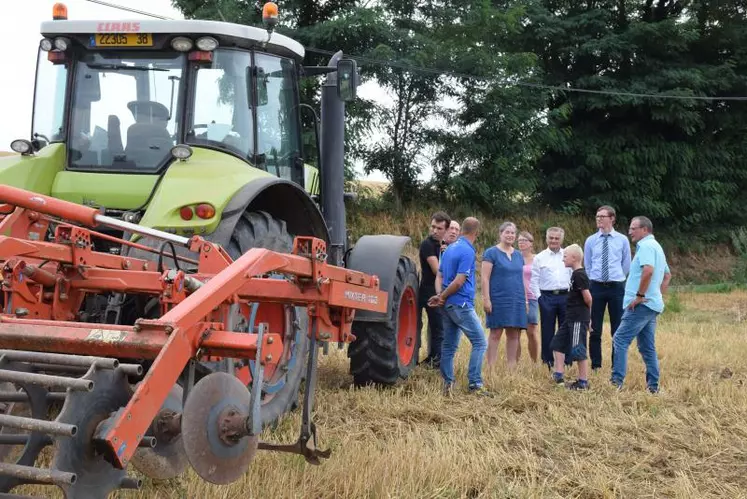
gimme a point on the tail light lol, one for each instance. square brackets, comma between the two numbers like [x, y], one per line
[186, 213]
[205, 211]
[200, 56]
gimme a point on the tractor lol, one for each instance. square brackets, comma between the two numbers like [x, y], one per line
[171, 264]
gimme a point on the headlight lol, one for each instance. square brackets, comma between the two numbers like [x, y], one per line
[46, 44]
[207, 43]
[61, 43]
[181, 152]
[181, 44]
[22, 146]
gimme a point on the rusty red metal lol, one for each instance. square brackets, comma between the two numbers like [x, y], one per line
[49, 205]
[45, 283]
[111, 340]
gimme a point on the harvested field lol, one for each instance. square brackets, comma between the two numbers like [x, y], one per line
[531, 439]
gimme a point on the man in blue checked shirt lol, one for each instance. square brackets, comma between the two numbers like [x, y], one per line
[607, 263]
[455, 292]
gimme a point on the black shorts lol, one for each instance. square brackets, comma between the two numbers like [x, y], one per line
[571, 336]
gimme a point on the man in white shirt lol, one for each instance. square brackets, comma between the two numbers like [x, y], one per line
[550, 281]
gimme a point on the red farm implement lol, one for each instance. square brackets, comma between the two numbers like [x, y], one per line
[180, 387]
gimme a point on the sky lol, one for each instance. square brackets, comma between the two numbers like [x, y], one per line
[20, 22]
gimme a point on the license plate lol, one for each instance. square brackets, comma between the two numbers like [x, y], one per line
[122, 40]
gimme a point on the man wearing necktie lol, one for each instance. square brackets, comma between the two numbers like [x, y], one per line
[607, 262]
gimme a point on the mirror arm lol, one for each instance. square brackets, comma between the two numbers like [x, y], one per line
[318, 70]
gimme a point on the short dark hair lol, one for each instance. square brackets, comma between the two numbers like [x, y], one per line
[470, 226]
[441, 216]
[609, 209]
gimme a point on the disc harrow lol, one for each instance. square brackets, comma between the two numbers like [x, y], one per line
[89, 401]
[181, 386]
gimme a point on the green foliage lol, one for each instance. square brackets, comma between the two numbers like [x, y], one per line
[497, 147]
[673, 304]
[721, 287]
[739, 243]
[487, 152]
[677, 161]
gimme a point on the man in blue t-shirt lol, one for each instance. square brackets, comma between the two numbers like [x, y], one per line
[455, 292]
[643, 302]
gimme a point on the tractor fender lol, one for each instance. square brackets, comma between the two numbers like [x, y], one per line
[377, 255]
[280, 198]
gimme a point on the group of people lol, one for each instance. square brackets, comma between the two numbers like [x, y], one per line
[563, 290]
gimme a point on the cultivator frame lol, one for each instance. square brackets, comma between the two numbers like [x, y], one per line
[42, 326]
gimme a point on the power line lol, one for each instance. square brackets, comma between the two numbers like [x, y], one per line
[130, 9]
[446, 72]
[455, 74]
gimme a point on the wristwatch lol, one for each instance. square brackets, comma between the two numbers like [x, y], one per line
[639, 295]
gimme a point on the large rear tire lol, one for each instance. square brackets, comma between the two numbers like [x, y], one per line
[385, 352]
[281, 387]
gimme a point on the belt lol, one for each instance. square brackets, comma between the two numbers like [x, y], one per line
[553, 291]
[608, 284]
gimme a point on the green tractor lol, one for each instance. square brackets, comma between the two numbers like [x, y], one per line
[194, 127]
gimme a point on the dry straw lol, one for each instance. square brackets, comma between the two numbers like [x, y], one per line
[532, 439]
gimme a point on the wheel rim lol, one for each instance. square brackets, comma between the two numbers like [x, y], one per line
[280, 318]
[407, 325]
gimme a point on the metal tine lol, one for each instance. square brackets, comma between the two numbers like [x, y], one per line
[46, 380]
[40, 425]
[13, 439]
[38, 475]
[61, 359]
[145, 442]
[20, 439]
[23, 397]
[132, 369]
[130, 482]
[59, 368]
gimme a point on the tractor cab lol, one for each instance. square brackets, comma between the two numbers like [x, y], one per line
[179, 124]
[123, 94]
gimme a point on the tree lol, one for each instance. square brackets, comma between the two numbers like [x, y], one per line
[670, 159]
[487, 155]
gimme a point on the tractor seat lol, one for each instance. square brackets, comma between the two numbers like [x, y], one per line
[148, 140]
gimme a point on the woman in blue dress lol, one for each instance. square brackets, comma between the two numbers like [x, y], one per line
[503, 294]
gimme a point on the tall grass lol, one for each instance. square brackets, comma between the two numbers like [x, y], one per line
[718, 264]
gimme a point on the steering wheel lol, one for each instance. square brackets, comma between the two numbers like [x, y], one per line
[199, 125]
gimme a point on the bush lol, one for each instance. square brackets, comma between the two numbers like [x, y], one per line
[739, 242]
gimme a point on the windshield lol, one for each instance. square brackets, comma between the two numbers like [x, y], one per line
[125, 112]
[222, 114]
[278, 137]
[49, 101]
[230, 95]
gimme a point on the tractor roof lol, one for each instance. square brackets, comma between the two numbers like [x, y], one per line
[225, 32]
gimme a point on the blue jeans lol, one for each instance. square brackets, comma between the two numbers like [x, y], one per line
[639, 323]
[610, 296]
[457, 319]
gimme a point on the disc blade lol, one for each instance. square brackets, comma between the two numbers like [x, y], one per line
[167, 459]
[86, 410]
[211, 458]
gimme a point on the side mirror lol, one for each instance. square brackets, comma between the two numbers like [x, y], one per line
[347, 79]
[260, 83]
[89, 88]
